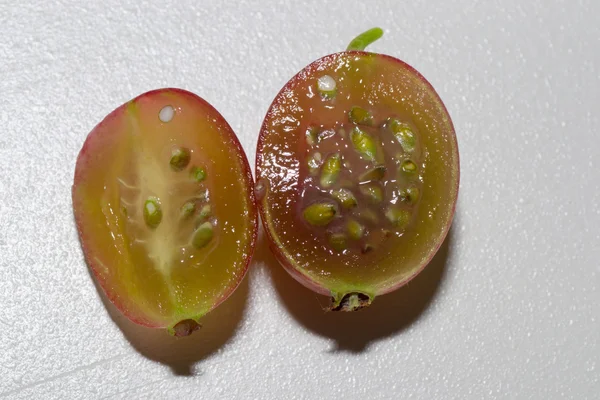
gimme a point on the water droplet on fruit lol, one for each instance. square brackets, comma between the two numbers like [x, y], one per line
[166, 114]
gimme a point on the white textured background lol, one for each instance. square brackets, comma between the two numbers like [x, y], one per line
[509, 309]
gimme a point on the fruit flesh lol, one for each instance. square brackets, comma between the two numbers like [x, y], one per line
[387, 88]
[152, 268]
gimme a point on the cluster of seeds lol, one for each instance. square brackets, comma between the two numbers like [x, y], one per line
[363, 180]
[196, 209]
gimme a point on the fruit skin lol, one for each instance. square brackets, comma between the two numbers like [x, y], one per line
[85, 160]
[280, 253]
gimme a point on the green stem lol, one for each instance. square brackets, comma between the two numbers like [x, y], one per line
[364, 39]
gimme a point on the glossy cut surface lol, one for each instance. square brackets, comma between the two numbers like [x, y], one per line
[164, 208]
[387, 88]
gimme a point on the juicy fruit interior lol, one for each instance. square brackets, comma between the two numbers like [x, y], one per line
[362, 170]
[163, 207]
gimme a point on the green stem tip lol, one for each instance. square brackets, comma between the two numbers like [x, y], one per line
[360, 42]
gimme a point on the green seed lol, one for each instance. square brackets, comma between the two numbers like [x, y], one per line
[374, 174]
[314, 162]
[331, 170]
[355, 229]
[338, 241]
[152, 212]
[372, 192]
[319, 214]
[359, 115]
[198, 174]
[409, 167]
[327, 87]
[369, 215]
[363, 143]
[180, 158]
[404, 135]
[412, 195]
[187, 209]
[345, 197]
[204, 211]
[311, 135]
[398, 217]
[202, 235]
[368, 248]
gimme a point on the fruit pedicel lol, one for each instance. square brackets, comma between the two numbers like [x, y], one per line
[357, 172]
[164, 206]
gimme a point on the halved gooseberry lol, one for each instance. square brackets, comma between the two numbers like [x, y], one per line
[165, 210]
[358, 172]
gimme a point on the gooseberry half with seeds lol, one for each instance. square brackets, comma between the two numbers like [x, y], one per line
[164, 205]
[357, 173]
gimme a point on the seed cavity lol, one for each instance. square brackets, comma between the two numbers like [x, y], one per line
[404, 135]
[198, 174]
[327, 87]
[355, 229]
[363, 143]
[166, 114]
[331, 170]
[180, 158]
[187, 209]
[373, 192]
[319, 214]
[374, 174]
[338, 241]
[398, 217]
[408, 166]
[345, 197]
[152, 212]
[359, 115]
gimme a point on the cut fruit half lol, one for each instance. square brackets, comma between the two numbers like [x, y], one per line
[358, 169]
[164, 205]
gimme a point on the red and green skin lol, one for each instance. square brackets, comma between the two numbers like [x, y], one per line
[131, 138]
[381, 83]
